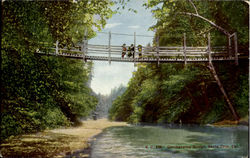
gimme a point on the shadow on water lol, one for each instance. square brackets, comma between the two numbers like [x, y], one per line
[154, 141]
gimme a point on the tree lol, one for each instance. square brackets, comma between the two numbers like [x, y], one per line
[172, 92]
[41, 92]
[174, 7]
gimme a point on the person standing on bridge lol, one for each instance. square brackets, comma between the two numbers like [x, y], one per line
[133, 50]
[140, 50]
[124, 50]
[129, 52]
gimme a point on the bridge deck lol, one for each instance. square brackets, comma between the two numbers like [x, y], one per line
[156, 53]
[159, 54]
[137, 59]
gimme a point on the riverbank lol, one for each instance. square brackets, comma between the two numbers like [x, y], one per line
[58, 142]
[243, 121]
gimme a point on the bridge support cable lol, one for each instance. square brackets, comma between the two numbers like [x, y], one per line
[109, 47]
[184, 49]
[57, 43]
[216, 77]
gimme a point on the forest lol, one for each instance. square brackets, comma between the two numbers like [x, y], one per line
[178, 93]
[105, 101]
[48, 108]
[42, 92]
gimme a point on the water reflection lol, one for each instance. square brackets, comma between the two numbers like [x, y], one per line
[186, 141]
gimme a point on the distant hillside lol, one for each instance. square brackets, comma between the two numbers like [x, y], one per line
[105, 101]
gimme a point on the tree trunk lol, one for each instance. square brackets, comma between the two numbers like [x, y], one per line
[212, 69]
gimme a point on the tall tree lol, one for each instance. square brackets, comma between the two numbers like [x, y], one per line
[172, 92]
[45, 92]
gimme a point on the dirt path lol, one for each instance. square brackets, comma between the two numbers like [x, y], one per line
[57, 142]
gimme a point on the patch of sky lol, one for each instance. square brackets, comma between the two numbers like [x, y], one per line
[105, 76]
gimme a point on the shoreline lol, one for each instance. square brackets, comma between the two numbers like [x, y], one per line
[242, 122]
[65, 142]
[88, 151]
[85, 152]
[57, 143]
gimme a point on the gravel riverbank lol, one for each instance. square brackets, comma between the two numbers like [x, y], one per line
[63, 142]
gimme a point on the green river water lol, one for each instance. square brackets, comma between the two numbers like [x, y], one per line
[172, 141]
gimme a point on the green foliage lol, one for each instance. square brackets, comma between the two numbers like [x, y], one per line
[172, 92]
[105, 101]
[172, 23]
[242, 96]
[39, 92]
[151, 91]
[55, 118]
[218, 112]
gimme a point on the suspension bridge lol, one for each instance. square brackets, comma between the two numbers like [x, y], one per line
[159, 54]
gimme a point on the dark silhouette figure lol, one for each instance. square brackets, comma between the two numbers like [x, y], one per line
[133, 50]
[140, 50]
[124, 50]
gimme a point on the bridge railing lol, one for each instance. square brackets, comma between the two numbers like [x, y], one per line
[163, 51]
[151, 52]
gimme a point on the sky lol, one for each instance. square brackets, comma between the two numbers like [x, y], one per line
[108, 76]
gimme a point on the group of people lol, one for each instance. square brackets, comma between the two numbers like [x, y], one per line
[130, 51]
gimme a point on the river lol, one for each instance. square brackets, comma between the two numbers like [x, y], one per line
[172, 141]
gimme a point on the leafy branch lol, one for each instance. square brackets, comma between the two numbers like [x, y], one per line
[196, 14]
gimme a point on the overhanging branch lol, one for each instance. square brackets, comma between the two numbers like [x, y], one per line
[209, 21]
[196, 14]
[194, 7]
[206, 31]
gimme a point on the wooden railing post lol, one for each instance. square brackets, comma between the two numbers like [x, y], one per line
[57, 43]
[236, 49]
[109, 47]
[209, 49]
[184, 49]
[157, 45]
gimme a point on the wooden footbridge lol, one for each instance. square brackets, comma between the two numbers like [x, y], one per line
[159, 54]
